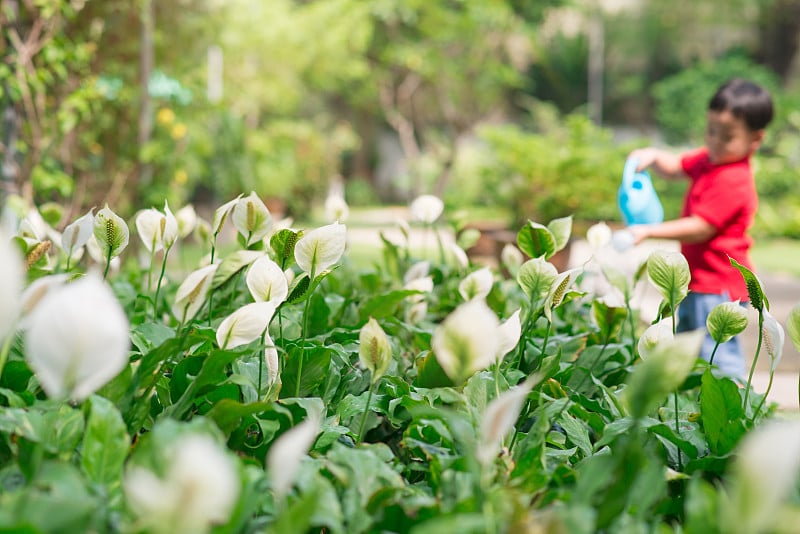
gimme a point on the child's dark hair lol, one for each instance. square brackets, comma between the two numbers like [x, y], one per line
[746, 100]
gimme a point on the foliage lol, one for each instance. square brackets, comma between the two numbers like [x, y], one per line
[561, 426]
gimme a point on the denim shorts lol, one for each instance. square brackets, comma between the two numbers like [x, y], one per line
[692, 314]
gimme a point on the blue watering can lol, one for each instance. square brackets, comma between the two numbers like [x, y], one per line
[637, 199]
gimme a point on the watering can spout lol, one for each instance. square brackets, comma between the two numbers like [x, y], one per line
[637, 198]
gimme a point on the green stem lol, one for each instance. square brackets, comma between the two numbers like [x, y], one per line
[303, 339]
[713, 352]
[544, 342]
[755, 357]
[108, 263]
[158, 287]
[6, 348]
[677, 429]
[766, 394]
[522, 338]
[261, 361]
[364, 417]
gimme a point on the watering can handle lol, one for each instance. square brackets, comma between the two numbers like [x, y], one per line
[629, 171]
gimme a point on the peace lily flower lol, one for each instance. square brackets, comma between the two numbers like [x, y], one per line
[536, 277]
[286, 453]
[320, 248]
[466, 341]
[77, 338]
[555, 297]
[416, 312]
[419, 270]
[654, 337]
[187, 220]
[157, 230]
[221, 215]
[271, 359]
[245, 324]
[199, 489]
[598, 235]
[476, 285]
[192, 293]
[773, 340]
[459, 255]
[111, 234]
[11, 282]
[76, 234]
[426, 209]
[498, 420]
[511, 258]
[336, 209]
[763, 476]
[36, 291]
[251, 218]
[266, 281]
[374, 349]
[508, 336]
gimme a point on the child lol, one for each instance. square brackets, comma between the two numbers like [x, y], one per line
[718, 209]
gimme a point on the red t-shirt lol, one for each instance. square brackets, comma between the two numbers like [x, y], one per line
[724, 196]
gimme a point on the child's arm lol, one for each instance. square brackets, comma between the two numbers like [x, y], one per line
[663, 162]
[692, 229]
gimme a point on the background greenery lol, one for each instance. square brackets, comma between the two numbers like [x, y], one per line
[481, 103]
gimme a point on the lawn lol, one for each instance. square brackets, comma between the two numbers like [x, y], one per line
[777, 256]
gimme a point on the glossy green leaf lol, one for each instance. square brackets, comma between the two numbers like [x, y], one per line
[105, 443]
[536, 240]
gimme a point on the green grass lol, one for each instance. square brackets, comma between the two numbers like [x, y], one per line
[778, 256]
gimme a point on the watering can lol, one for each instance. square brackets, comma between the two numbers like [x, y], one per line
[637, 199]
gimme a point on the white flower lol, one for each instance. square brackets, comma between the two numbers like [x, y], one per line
[508, 336]
[654, 337]
[764, 474]
[251, 218]
[286, 453]
[426, 208]
[11, 282]
[374, 349]
[200, 488]
[320, 248]
[271, 359]
[336, 209]
[419, 270]
[157, 230]
[499, 419]
[773, 339]
[466, 341]
[461, 258]
[36, 291]
[598, 235]
[77, 339]
[476, 285]
[416, 312]
[77, 233]
[96, 253]
[245, 324]
[187, 220]
[266, 281]
[192, 293]
[511, 258]
[111, 233]
[221, 215]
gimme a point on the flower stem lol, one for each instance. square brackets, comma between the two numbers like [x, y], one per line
[158, 286]
[108, 263]
[766, 394]
[364, 417]
[755, 358]
[713, 352]
[303, 340]
[6, 348]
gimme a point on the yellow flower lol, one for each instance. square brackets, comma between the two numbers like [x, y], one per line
[96, 149]
[165, 116]
[181, 177]
[178, 131]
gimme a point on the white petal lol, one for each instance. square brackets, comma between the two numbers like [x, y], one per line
[286, 453]
[187, 220]
[37, 290]
[654, 337]
[77, 339]
[251, 218]
[419, 270]
[477, 284]
[320, 248]
[77, 233]
[499, 419]
[426, 208]
[11, 282]
[773, 339]
[221, 214]
[336, 209]
[466, 341]
[508, 336]
[148, 225]
[266, 281]
[511, 257]
[192, 293]
[271, 359]
[245, 324]
[461, 258]
[598, 235]
[170, 232]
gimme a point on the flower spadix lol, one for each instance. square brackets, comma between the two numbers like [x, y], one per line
[466, 341]
[374, 349]
[426, 208]
[726, 320]
[11, 281]
[192, 293]
[77, 338]
[498, 420]
[245, 324]
[267, 282]
[286, 453]
[198, 490]
[320, 248]
[77, 233]
[476, 285]
[251, 218]
[111, 233]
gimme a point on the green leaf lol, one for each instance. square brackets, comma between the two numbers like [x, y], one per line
[233, 264]
[430, 374]
[721, 413]
[299, 288]
[701, 507]
[105, 442]
[385, 304]
[228, 413]
[536, 240]
[462, 523]
[562, 230]
[316, 362]
[577, 432]
[608, 318]
[282, 243]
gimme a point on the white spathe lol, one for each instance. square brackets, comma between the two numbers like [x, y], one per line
[199, 489]
[508, 336]
[192, 293]
[320, 248]
[426, 208]
[374, 349]
[77, 338]
[266, 281]
[598, 235]
[157, 230]
[245, 324]
[251, 218]
[286, 453]
[111, 233]
[467, 340]
[77, 233]
[477, 284]
[336, 208]
[499, 419]
[187, 220]
[11, 283]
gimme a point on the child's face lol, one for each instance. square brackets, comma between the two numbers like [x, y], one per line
[728, 139]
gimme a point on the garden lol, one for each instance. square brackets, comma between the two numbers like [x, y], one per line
[194, 339]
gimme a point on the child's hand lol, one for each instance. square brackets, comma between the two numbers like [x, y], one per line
[662, 161]
[645, 157]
